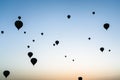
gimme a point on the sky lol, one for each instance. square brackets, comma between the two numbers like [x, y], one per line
[50, 17]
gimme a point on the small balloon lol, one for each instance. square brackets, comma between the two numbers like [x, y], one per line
[68, 16]
[65, 56]
[19, 17]
[33, 61]
[30, 54]
[42, 33]
[109, 50]
[101, 49]
[73, 60]
[56, 42]
[33, 40]
[24, 32]
[18, 23]
[89, 38]
[6, 73]
[2, 32]
[28, 46]
[53, 44]
[106, 26]
[93, 12]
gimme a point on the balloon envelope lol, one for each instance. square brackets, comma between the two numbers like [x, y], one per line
[106, 26]
[30, 54]
[6, 73]
[18, 24]
[68, 16]
[33, 61]
[56, 42]
[101, 49]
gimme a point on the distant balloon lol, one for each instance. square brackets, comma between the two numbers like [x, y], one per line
[89, 38]
[53, 44]
[6, 73]
[93, 12]
[18, 23]
[28, 46]
[109, 50]
[2, 32]
[73, 60]
[68, 16]
[101, 49]
[33, 61]
[56, 42]
[65, 56]
[42, 33]
[30, 54]
[106, 26]
[33, 40]
[24, 32]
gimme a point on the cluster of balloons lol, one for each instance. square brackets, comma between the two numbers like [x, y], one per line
[6, 73]
[102, 49]
[32, 60]
[56, 43]
[72, 59]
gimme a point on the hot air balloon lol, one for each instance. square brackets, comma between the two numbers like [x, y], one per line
[56, 42]
[93, 12]
[68, 16]
[6, 73]
[102, 49]
[65, 56]
[30, 54]
[42, 33]
[24, 32]
[109, 50]
[33, 40]
[18, 23]
[79, 78]
[53, 44]
[2, 32]
[28, 46]
[73, 60]
[106, 26]
[89, 38]
[33, 61]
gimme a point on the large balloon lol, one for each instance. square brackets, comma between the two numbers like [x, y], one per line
[56, 42]
[18, 23]
[79, 78]
[6, 73]
[102, 49]
[33, 61]
[106, 26]
[30, 54]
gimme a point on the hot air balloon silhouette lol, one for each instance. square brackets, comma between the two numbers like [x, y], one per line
[56, 42]
[79, 78]
[2, 32]
[24, 32]
[89, 38]
[109, 50]
[33, 40]
[28, 46]
[68, 16]
[6, 73]
[65, 56]
[93, 12]
[106, 26]
[102, 49]
[33, 61]
[18, 23]
[30, 54]
[73, 60]
[42, 33]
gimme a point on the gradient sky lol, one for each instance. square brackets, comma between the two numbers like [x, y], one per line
[50, 17]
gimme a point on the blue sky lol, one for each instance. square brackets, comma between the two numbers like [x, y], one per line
[50, 17]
